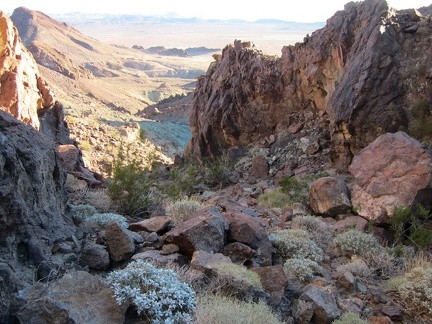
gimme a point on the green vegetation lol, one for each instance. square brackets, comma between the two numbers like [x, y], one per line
[142, 134]
[409, 226]
[185, 179]
[420, 126]
[297, 190]
[85, 145]
[130, 186]
[292, 191]
[274, 199]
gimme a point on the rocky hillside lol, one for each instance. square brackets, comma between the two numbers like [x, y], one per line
[370, 77]
[83, 71]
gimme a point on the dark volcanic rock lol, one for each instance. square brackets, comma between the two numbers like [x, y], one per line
[350, 71]
[32, 203]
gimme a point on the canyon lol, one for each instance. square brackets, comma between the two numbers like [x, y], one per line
[338, 126]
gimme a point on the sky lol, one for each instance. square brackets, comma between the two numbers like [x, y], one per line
[289, 10]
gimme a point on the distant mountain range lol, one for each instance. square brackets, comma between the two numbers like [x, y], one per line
[78, 18]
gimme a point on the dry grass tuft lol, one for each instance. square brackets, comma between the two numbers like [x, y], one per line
[216, 309]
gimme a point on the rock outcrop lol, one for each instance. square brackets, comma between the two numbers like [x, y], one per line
[350, 71]
[32, 207]
[22, 92]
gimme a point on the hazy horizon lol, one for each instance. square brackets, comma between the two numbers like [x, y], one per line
[300, 11]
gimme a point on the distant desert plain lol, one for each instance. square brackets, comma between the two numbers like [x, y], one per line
[268, 35]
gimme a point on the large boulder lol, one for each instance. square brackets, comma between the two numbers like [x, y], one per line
[205, 230]
[389, 173]
[120, 243]
[78, 297]
[251, 232]
[329, 196]
[325, 308]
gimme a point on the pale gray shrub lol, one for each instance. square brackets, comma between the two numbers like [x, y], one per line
[357, 242]
[179, 210]
[80, 212]
[303, 269]
[296, 244]
[156, 293]
[103, 219]
[416, 290]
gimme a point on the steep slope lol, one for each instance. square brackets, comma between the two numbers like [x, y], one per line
[353, 72]
[77, 65]
[22, 91]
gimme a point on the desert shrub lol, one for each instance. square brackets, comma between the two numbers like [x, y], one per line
[157, 294]
[130, 186]
[103, 219]
[186, 178]
[142, 134]
[297, 190]
[357, 267]
[307, 223]
[216, 309]
[274, 199]
[85, 145]
[177, 211]
[296, 244]
[301, 268]
[409, 228]
[420, 109]
[316, 227]
[182, 181]
[415, 290]
[357, 242]
[234, 272]
[81, 212]
[350, 318]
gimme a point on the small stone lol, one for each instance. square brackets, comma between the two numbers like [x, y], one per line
[347, 281]
[120, 243]
[169, 249]
[238, 252]
[95, 256]
[260, 167]
[205, 262]
[380, 320]
[393, 312]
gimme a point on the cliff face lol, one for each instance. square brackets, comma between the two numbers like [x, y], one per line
[22, 92]
[348, 71]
